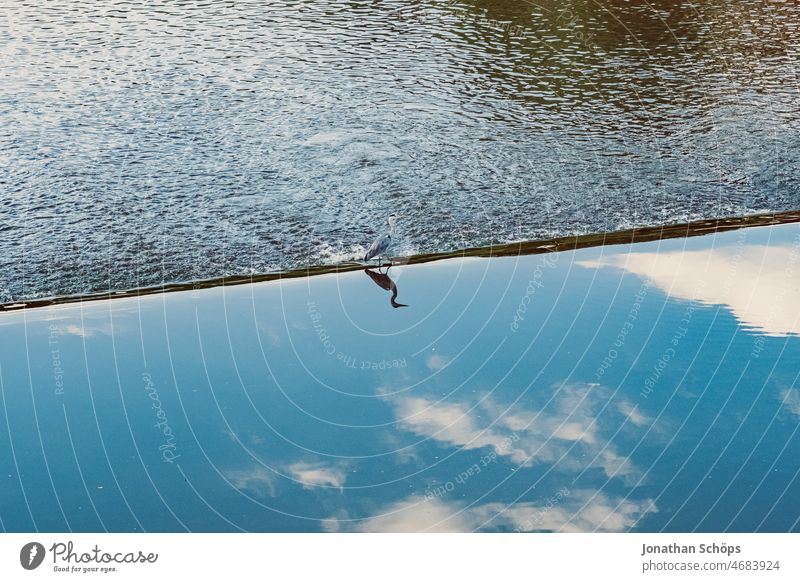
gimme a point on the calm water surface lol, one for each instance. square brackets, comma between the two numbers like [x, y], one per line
[644, 388]
[143, 142]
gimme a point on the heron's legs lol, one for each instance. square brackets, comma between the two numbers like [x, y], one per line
[380, 262]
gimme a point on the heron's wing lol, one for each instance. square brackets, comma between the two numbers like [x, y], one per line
[379, 246]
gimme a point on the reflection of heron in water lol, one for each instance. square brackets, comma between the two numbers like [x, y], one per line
[382, 243]
[385, 282]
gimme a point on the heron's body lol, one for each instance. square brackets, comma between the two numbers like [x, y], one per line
[379, 247]
[382, 243]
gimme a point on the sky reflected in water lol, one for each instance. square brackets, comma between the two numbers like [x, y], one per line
[627, 388]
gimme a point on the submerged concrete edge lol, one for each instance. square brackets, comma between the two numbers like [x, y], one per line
[620, 237]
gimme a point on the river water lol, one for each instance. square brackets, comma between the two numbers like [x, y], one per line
[649, 388]
[150, 142]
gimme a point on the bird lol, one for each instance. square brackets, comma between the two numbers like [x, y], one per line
[384, 281]
[382, 243]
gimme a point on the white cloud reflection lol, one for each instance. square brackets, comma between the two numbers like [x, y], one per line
[80, 331]
[633, 414]
[579, 511]
[790, 399]
[261, 481]
[758, 283]
[318, 475]
[437, 362]
[568, 432]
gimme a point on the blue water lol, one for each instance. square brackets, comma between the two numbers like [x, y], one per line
[649, 388]
[150, 142]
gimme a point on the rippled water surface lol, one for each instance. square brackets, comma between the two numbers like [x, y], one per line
[143, 142]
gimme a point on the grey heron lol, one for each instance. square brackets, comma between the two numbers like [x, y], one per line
[382, 243]
[384, 281]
